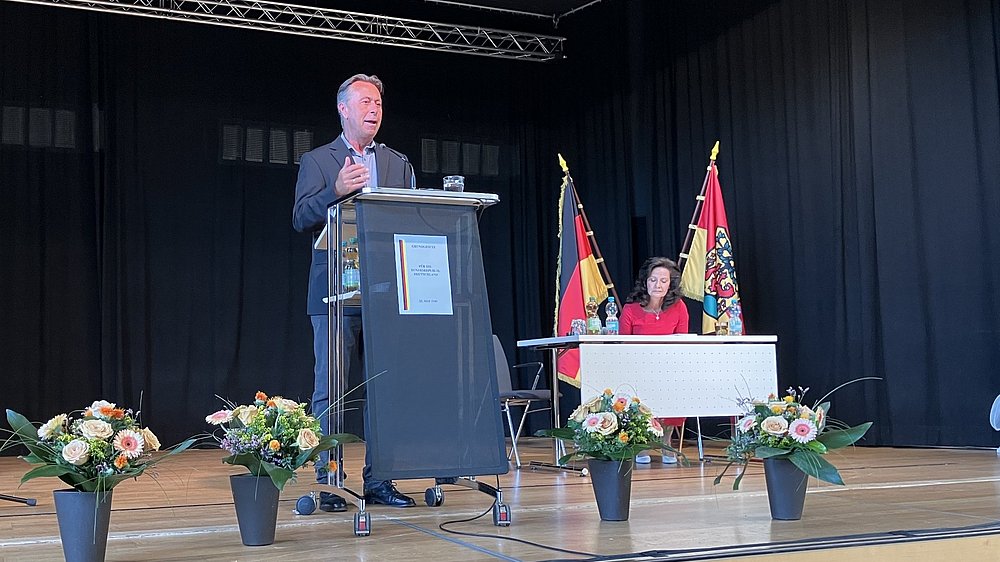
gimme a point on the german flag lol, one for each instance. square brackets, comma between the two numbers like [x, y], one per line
[710, 271]
[578, 277]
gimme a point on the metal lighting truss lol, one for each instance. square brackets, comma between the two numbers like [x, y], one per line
[333, 24]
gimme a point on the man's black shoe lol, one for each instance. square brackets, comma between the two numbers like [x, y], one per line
[387, 494]
[329, 501]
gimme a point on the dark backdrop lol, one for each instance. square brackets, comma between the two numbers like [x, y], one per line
[859, 167]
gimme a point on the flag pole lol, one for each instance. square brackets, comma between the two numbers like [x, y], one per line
[700, 200]
[590, 233]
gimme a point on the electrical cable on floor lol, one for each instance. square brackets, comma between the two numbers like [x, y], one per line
[443, 527]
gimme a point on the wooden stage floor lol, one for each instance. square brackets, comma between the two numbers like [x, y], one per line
[894, 504]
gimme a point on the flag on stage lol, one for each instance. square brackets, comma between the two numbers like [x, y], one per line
[577, 275]
[710, 271]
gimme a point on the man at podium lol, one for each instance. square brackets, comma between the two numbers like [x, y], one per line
[352, 161]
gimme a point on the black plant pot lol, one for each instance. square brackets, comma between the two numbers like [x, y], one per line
[83, 524]
[612, 481]
[256, 500]
[786, 489]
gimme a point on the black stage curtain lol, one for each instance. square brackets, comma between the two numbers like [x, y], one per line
[859, 144]
[860, 174]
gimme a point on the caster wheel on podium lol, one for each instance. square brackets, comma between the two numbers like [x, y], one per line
[434, 497]
[362, 524]
[501, 515]
[305, 505]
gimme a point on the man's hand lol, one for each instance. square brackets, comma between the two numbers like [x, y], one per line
[351, 178]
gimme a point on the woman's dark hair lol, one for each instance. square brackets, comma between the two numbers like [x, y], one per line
[639, 293]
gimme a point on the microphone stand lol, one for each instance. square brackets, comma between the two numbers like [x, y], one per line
[406, 161]
[25, 501]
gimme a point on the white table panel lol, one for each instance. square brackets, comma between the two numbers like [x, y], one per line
[681, 379]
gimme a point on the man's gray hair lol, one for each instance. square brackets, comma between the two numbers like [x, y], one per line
[342, 91]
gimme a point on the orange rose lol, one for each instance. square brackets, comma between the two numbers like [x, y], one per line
[107, 411]
[260, 396]
[271, 403]
[274, 445]
[118, 413]
[623, 437]
[121, 461]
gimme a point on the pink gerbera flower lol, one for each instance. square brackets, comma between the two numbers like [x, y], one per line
[129, 443]
[802, 430]
[219, 418]
[592, 422]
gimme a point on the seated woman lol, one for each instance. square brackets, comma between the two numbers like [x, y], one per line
[655, 307]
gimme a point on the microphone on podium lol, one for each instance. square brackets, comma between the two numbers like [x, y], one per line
[406, 161]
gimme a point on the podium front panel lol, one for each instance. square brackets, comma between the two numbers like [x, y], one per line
[433, 402]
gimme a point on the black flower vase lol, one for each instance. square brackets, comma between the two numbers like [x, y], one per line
[612, 481]
[786, 489]
[83, 524]
[256, 500]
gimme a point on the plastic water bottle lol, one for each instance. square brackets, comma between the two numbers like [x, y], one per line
[355, 263]
[351, 277]
[593, 320]
[611, 312]
[346, 274]
[735, 319]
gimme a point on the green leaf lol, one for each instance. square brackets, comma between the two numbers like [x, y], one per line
[817, 446]
[816, 466]
[340, 438]
[33, 459]
[278, 475]
[252, 463]
[769, 452]
[27, 434]
[837, 438]
[557, 432]
[46, 470]
[739, 478]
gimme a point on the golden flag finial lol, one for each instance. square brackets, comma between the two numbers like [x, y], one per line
[562, 164]
[715, 151]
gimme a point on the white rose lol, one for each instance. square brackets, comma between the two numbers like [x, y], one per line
[775, 425]
[307, 439]
[246, 414]
[52, 427]
[594, 404]
[152, 443]
[98, 405]
[608, 423]
[286, 405]
[76, 452]
[96, 429]
[579, 414]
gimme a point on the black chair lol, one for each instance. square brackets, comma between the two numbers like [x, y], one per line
[510, 398]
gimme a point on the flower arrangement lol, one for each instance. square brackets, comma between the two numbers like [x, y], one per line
[610, 427]
[788, 429]
[273, 436]
[92, 450]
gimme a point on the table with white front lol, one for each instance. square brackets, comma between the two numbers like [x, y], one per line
[680, 375]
